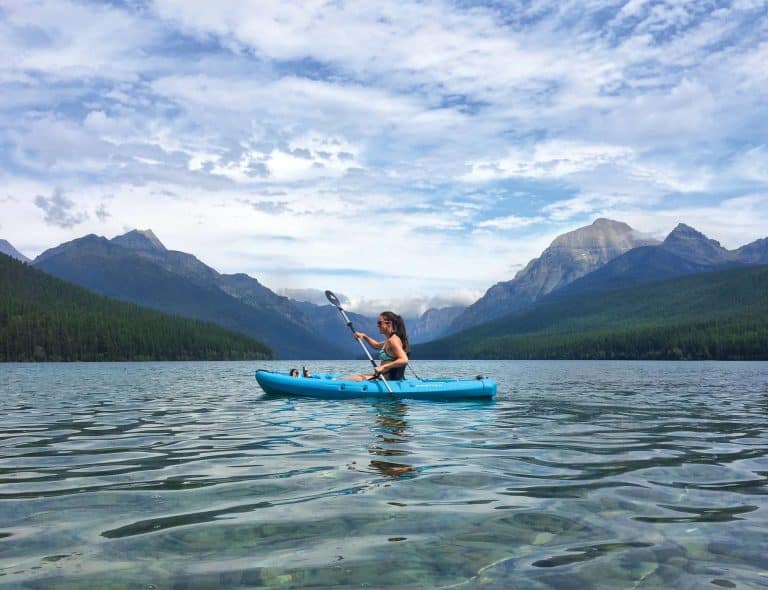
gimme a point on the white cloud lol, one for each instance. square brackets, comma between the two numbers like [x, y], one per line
[550, 159]
[438, 145]
[72, 40]
[733, 222]
[752, 164]
[751, 66]
[47, 142]
[509, 222]
[687, 109]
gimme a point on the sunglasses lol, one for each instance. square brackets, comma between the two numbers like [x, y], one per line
[381, 322]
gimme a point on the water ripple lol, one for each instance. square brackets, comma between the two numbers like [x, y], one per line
[579, 475]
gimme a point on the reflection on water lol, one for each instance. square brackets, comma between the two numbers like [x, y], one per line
[579, 475]
[392, 439]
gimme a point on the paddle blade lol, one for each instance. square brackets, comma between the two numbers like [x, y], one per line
[332, 298]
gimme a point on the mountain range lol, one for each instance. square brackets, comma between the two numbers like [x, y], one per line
[685, 251]
[604, 255]
[569, 257]
[136, 267]
[716, 315]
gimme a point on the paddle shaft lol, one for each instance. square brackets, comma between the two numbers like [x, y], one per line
[360, 340]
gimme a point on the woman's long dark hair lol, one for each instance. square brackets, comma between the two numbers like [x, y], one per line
[398, 327]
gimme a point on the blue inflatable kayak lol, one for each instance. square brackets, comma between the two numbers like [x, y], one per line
[331, 387]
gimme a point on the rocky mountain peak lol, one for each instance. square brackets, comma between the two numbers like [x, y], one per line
[685, 232]
[7, 248]
[88, 242]
[570, 256]
[691, 244]
[138, 239]
[577, 252]
[604, 221]
[602, 233]
[755, 252]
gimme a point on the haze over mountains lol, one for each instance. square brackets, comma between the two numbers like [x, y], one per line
[602, 256]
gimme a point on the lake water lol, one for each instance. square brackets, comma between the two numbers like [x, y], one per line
[579, 475]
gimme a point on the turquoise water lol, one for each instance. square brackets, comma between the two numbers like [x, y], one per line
[580, 475]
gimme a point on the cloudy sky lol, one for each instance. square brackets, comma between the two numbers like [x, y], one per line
[387, 151]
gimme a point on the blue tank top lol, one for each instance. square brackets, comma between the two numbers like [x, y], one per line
[396, 374]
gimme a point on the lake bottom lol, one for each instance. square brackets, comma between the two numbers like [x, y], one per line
[579, 475]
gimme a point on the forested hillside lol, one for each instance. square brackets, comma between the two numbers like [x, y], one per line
[45, 319]
[721, 315]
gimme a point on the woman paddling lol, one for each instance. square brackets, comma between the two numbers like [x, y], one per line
[393, 350]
